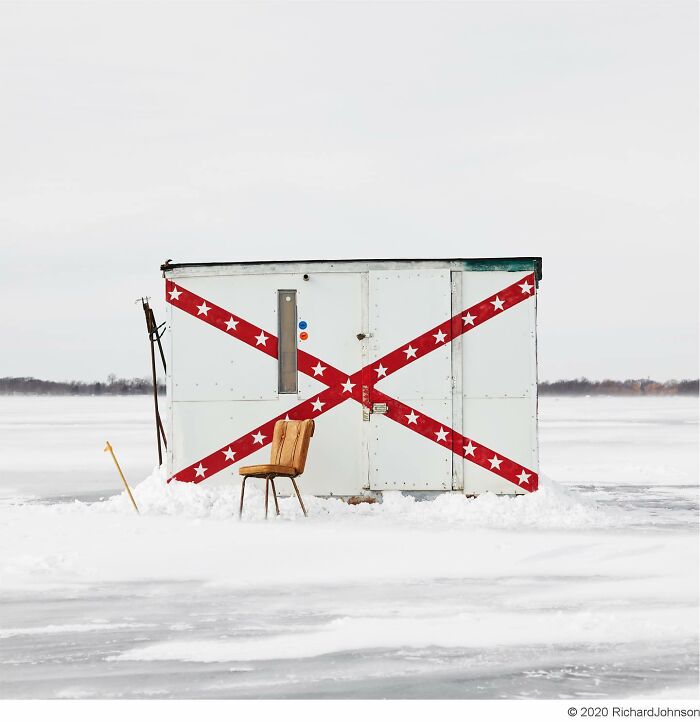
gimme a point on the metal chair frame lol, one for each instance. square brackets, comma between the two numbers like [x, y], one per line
[270, 480]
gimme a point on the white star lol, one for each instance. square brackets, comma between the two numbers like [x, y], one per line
[442, 434]
[203, 309]
[381, 371]
[229, 454]
[468, 319]
[523, 477]
[175, 294]
[318, 369]
[495, 462]
[527, 287]
[439, 336]
[231, 325]
[318, 405]
[261, 339]
[286, 418]
[410, 352]
[348, 386]
[412, 418]
[469, 449]
[497, 304]
[199, 470]
[258, 438]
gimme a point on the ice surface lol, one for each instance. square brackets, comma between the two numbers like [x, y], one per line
[462, 631]
[52, 446]
[586, 589]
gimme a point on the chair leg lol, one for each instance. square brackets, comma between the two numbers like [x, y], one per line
[296, 488]
[267, 493]
[240, 511]
[274, 494]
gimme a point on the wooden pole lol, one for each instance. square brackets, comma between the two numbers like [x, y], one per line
[109, 448]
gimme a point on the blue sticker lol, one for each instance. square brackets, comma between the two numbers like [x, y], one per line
[303, 325]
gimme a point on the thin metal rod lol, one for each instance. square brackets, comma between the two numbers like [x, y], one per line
[152, 337]
[296, 488]
[274, 494]
[154, 326]
[108, 447]
[162, 430]
[154, 334]
[155, 403]
[267, 492]
[240, 511]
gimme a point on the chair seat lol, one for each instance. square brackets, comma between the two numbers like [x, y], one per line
[263, 470]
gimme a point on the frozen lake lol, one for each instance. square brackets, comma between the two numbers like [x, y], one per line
[586, 589]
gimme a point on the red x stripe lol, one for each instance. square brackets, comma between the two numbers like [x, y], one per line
[341, 386]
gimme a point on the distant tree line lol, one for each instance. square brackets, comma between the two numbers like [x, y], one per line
[128, 387]
[26, 385]
[609, 387]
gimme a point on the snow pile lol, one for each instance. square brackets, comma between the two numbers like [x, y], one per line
[551, 507]
[199, 501]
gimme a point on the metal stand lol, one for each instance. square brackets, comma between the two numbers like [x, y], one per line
[155, 333]
[270, 481]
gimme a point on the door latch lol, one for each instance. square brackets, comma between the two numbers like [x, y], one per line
[380, 408]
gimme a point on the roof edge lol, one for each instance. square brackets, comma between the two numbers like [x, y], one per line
[475, 264]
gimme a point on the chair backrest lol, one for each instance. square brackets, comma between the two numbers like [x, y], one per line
[290, 443]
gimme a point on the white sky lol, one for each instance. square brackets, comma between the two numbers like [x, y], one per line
[132, 133]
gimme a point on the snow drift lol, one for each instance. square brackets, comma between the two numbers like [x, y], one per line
[551, 507]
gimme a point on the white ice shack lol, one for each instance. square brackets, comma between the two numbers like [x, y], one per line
[421, 374]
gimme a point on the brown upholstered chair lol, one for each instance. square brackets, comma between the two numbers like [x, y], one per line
[290, 445]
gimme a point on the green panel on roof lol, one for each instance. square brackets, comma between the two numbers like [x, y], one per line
[504, 264]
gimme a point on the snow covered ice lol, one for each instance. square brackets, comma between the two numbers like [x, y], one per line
[587, 588]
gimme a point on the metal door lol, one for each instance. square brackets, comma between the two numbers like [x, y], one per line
[402, 305]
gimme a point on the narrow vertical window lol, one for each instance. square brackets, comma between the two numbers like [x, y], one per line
[287, 346]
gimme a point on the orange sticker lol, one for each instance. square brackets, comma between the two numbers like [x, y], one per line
[303, 335]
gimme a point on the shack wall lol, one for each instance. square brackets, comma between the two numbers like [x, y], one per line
[219, 388]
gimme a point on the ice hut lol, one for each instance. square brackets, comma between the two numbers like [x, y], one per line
[421, 375]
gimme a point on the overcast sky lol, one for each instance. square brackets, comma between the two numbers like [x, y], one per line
[133, 133]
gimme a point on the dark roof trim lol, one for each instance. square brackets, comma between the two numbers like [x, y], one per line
[514, 263]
